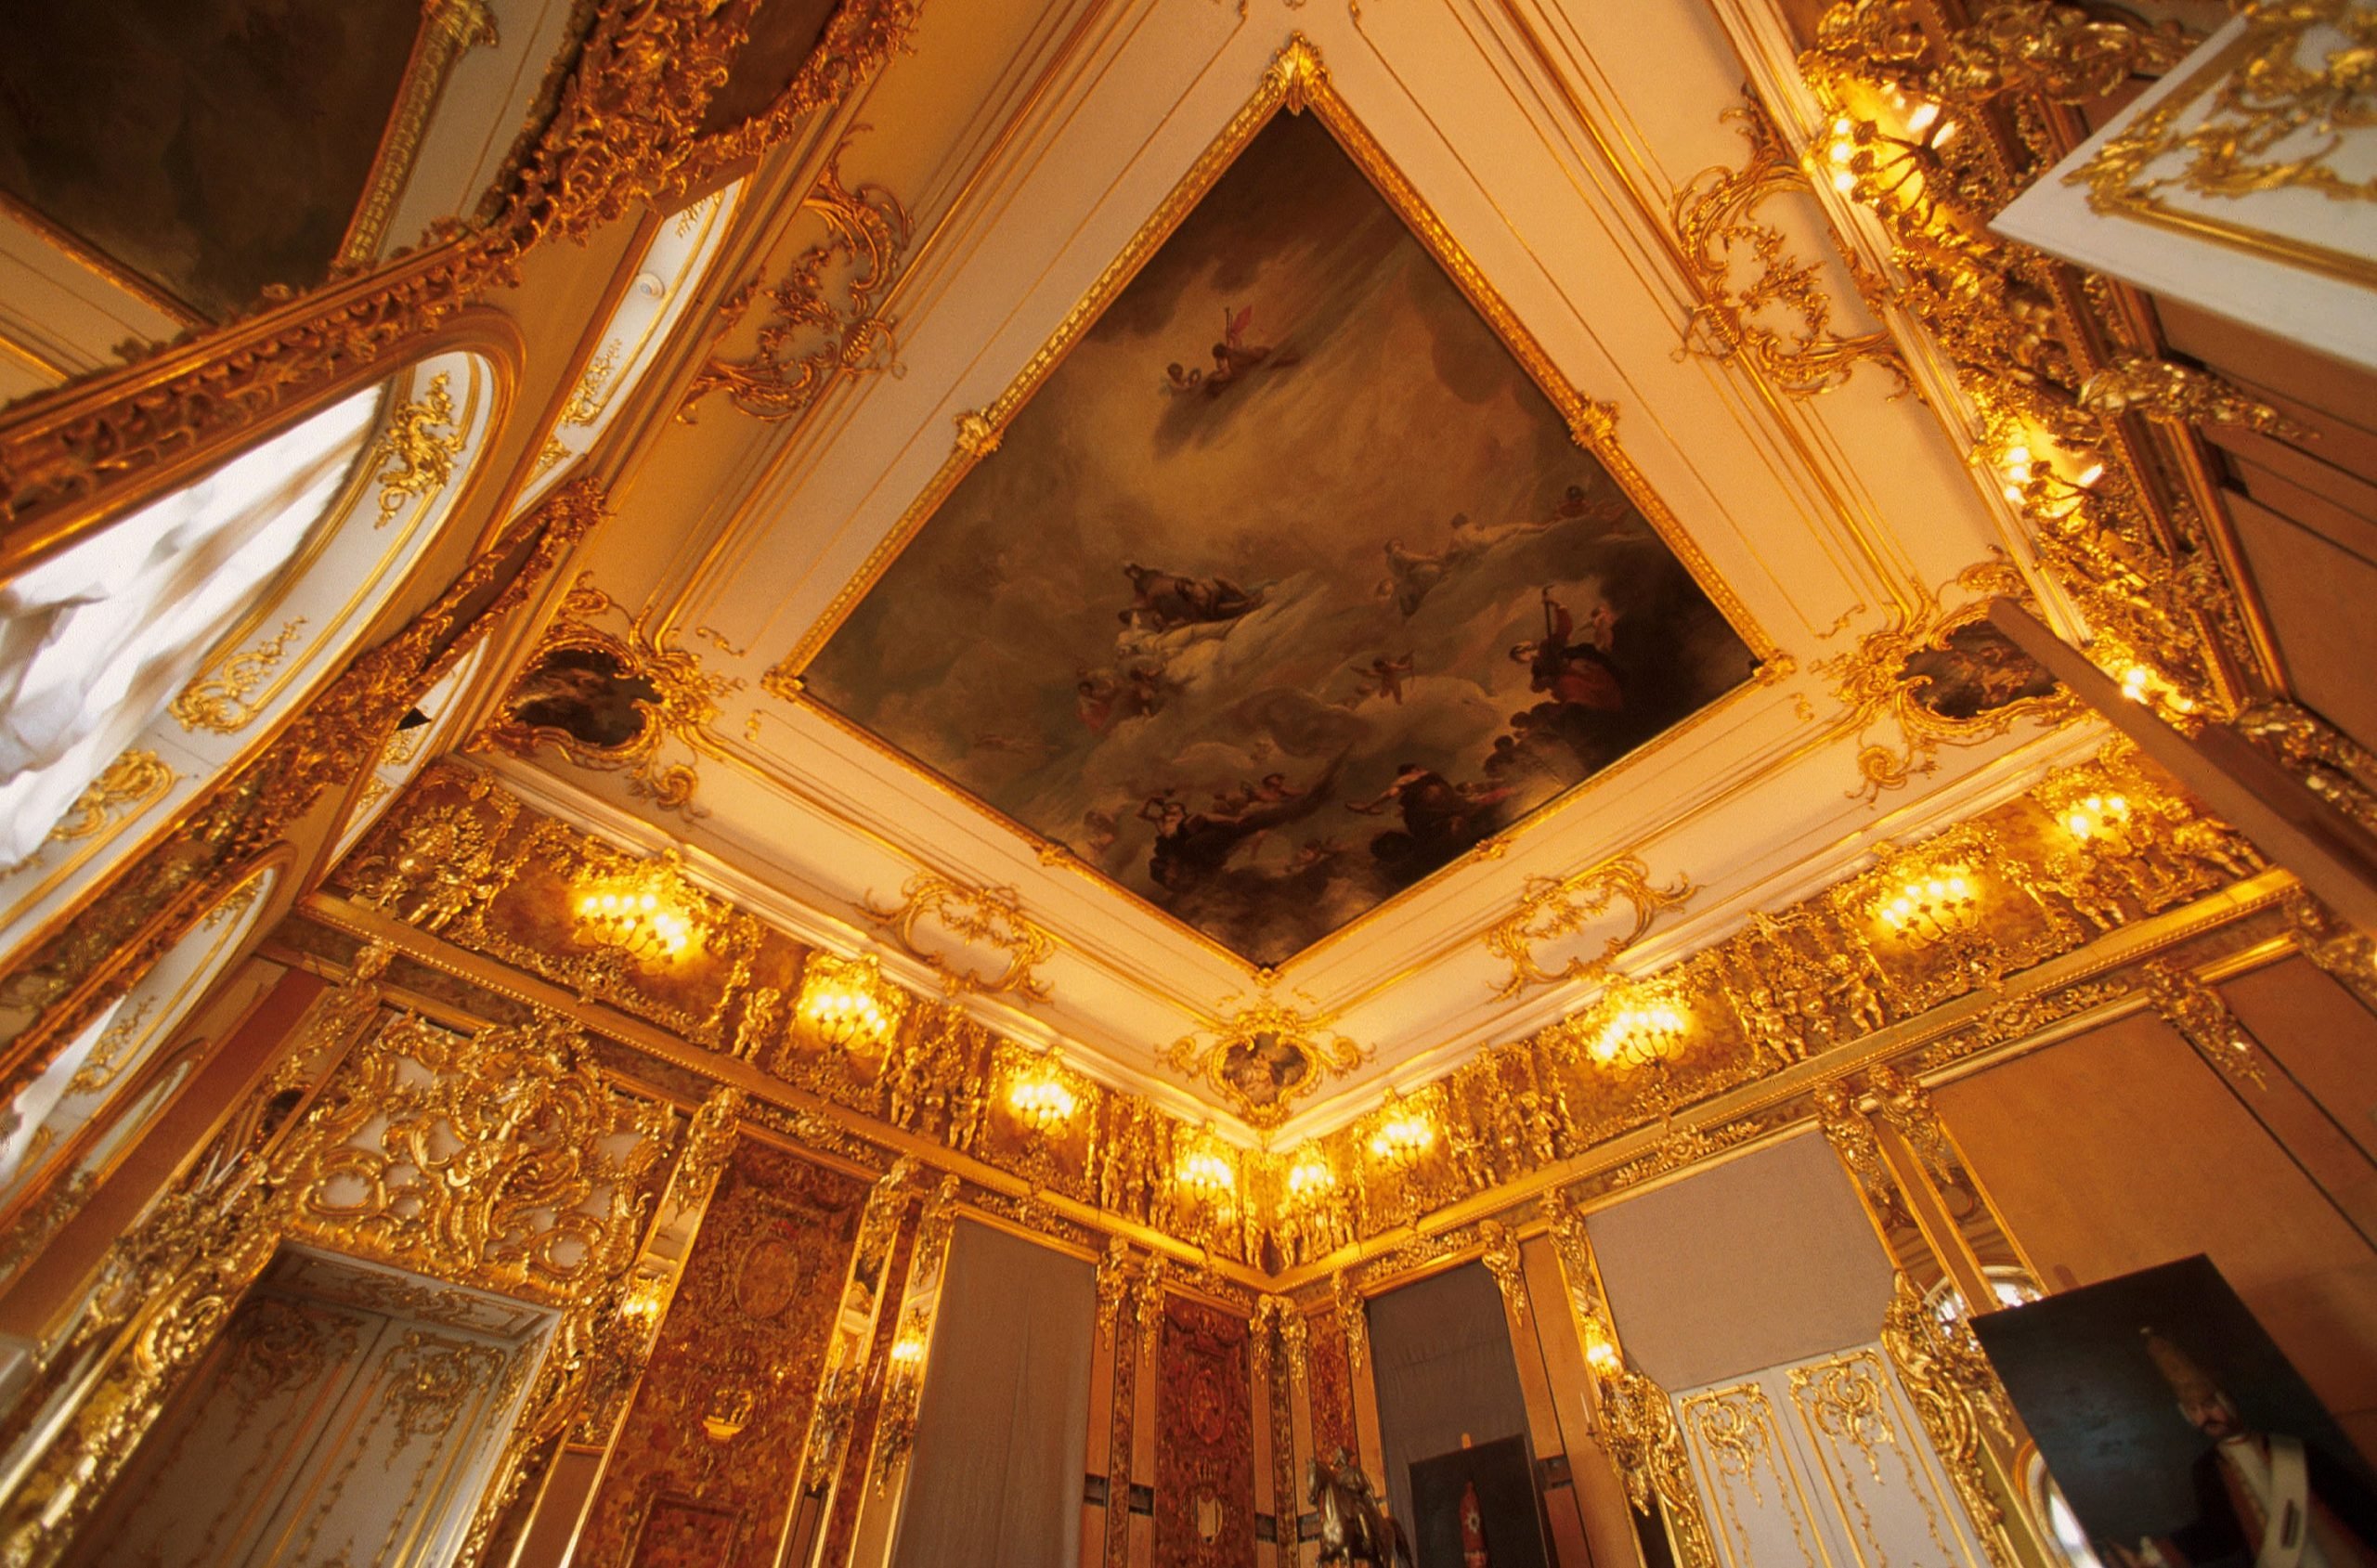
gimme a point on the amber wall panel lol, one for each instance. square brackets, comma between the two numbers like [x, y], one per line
[1204, 1454]
[1331, 1388]
[2120, 1149]
[752, 1312]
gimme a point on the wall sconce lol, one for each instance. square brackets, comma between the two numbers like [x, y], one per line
[1935, 907]
[1601, 1347]
[2101, 817]
[1206, 1176]
[1404, 1135]
[1650, 1034]
[1041, 1103]
[1887, 156]
[845, 1005]
[1310, 1179]
[639, 912]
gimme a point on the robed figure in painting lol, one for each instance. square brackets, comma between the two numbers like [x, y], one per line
[2264, 1498]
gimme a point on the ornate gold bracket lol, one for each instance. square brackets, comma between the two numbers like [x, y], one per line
[1942, 677]
[1264, 1057]
[612, 700]
[1715, 217]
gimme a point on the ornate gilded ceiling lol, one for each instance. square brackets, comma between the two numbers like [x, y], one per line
[862, 642]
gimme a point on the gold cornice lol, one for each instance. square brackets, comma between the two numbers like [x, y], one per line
[434, 952]
[2055, 932]
[1787, 1090]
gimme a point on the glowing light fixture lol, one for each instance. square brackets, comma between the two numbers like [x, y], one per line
[1403, 1136]
[638, 912]
[845, 1005]
[1600, 1351]
[2102, 817]
[1041, 1101]
[1646, 1035]
[1310, 1179]
[907, 1350]
[1207, 1176]
[1932, 906]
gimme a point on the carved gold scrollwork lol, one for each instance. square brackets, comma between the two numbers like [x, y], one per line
[398, 1161]
[1551, 908]
[1715, 217]
[1958, 1399]
[1644, 1440]
[1941, 676]
[2065, 53]
[824, 323]
[2333, 766]
[2195, 1009]
[1264, 1057]
[503, 1162]
[992, 916]
[2163, 389]
[128, 786]
[2294, 82]
[412, 460]
[613, 700]
[223, 701]
[1935, 133]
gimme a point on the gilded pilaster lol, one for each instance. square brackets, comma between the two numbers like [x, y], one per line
[1941, 1232]
[1634, 1416]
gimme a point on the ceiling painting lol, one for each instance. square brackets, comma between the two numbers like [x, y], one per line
[1289, 585]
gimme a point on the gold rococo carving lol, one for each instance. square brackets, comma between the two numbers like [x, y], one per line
[1779, 322]
[632, 123]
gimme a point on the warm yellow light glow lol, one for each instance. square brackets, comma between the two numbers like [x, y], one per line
[626, 913]
[1207, 1175]
[1923, 118]
[845, 1004]
[1403, 1136]
[907, 1350]
[1042, 1104]
[1600, 1351]
[1640, 1036]
[2097, 816]
[1931, 906]
[1310, 1177]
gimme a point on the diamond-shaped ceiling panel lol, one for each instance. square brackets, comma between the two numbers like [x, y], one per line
[1289, 585]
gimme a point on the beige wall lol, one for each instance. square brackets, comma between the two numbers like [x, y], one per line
[2121, 1148]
